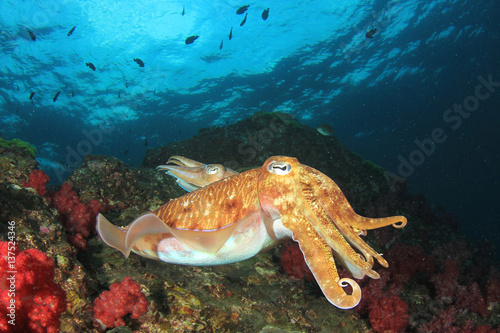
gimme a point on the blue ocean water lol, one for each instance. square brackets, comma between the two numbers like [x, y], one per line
[420, 98]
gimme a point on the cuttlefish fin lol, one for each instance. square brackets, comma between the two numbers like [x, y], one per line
[124, 240]
[210, 241]
[111, 234]
[144, 233]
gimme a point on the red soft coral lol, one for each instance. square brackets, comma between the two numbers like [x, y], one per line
[446, 282]
[293, 263]
[39, 302]
[388, 314]
[471, 299]
[406, 261]
[123, 298]
[78, 218]
[38, 180]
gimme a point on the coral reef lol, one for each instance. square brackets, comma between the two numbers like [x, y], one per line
[436, 281]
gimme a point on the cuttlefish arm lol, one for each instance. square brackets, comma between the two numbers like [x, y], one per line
[192, 175]
[318, 256]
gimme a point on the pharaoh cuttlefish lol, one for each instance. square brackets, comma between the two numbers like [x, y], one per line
[236, 217]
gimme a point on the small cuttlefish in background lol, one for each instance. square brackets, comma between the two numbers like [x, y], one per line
[265, 14]
[32, 35]
[139, 62]
[31, 95]
[71, 31]
[231, 33]
[242, 9]
[183, 10]
[55, 96]
[191, 39]
[370, 33]
[221, 44]
[244, 20]
[91, 65]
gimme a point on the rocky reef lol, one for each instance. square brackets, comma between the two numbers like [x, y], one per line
[436, 281]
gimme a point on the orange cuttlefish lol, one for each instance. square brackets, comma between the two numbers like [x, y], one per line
[230, 219]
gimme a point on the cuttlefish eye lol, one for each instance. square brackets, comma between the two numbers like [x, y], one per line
[212, 170]
[279, 168]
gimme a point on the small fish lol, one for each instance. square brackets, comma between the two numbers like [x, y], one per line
[191, 39]
[244, 20]
[91, 65]
[125, 152]
[55, 96]
[126, 85]
[139, 62]
[231, 33]
[31, 95]
[221, 44]
[183, 10]
[242, 9]
[146, 142]
[130, 131]
[154, 92]
[32, 35]
[265, 14]
[72, 93]
[325, 129]
[71, 31]
[370, 33]
[118, 94]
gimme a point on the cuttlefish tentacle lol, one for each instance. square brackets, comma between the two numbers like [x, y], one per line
[356, 221]
[327, 198]
[334, 234]
[315, 250]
